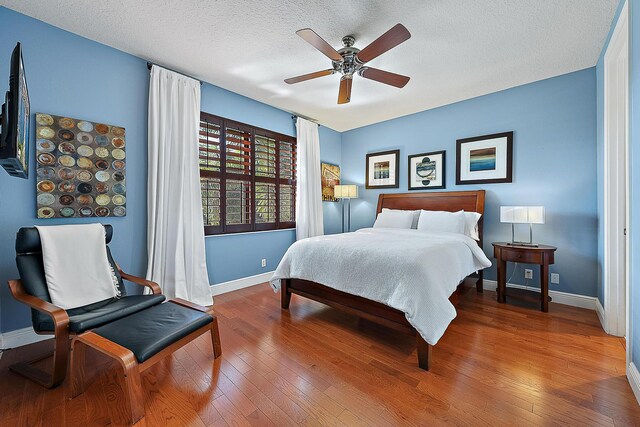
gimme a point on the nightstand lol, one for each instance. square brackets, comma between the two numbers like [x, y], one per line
[541, 255]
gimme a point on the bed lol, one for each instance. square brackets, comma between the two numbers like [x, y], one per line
[423, 311]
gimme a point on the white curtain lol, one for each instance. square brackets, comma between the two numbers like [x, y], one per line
[175, 229]
[309, 190]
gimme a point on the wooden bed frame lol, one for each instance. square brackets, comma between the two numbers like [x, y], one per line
[470, 201]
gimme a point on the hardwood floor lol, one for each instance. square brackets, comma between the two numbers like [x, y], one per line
[495, 365]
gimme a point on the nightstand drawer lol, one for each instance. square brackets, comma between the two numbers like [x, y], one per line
[515, 255]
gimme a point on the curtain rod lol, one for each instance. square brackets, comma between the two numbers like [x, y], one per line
[295, 116]
[151, 64]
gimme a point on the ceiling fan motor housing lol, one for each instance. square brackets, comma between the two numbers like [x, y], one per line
[349, 64]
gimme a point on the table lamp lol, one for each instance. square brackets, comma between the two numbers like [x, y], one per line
[346, 192]
[522, 215]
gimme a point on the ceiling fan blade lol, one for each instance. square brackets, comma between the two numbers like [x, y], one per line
[344, 96]
[309, 76]
[388, 40]
[319, 43]
[385, 77]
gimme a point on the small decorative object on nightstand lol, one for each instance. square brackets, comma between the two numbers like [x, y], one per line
[539, 254]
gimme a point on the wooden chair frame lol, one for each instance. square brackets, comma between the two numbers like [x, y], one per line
[134, 396]
[61, 332]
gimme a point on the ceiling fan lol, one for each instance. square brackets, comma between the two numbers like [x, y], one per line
[350, 60]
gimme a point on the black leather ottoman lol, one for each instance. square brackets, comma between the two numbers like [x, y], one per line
[140, 340]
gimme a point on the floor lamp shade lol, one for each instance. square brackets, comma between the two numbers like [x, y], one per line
[345, 192]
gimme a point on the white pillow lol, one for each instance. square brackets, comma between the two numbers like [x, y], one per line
[416, 215]
[442, 221]
[394, 219]
[471, 224]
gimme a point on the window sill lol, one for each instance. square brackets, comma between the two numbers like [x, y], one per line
[249, 232]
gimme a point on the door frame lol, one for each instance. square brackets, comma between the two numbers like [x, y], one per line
[616, 176]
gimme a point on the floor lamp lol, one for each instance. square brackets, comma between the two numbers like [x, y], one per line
[346, 192]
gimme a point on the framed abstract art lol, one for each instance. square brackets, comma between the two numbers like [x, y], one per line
[486, 159]
[382, 169]
[80, 168]
[426, 171]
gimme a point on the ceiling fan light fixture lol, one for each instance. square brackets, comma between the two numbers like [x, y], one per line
[350, 60]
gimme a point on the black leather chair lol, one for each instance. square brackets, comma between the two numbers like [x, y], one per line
[47, 318]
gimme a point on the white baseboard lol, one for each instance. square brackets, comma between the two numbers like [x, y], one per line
[245, 282]
[26, 336]
[20, 337]
[634, 380]
[601, 314]
[565, 298]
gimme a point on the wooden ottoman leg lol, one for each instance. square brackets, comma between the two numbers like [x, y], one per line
[215, 338]
[132, 386]
[78, 349]
[133, 389]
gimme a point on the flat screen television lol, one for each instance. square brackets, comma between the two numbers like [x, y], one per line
[14, 139]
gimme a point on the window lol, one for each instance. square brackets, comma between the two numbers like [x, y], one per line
[247, 177]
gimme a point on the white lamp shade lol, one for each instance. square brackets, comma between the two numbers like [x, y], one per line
[345, 191]
[522, 214]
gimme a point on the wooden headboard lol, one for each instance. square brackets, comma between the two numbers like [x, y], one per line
[452, 201]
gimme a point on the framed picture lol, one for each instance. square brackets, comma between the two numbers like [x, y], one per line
[427, 171]
[330, 177]
[382, 169]
[80, 168]
[486, 159]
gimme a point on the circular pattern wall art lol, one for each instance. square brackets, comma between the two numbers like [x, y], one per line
[81, 168]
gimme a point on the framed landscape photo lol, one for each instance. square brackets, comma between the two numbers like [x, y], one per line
[427, 171]
[382, 169]
[486, 159]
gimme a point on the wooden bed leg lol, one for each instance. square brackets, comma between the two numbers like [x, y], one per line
[479, 282]
[285, 294]
[424, 352]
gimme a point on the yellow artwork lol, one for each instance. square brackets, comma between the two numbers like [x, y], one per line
[330, 178]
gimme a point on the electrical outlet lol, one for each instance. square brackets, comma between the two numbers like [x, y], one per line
[555, 278]
[528, 273]
[264, 262]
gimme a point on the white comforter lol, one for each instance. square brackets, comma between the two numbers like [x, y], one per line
[412, 271]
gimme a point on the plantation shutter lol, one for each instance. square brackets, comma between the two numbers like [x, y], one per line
[210, 173]
[247, 176]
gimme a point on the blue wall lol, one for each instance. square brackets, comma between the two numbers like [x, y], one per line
[554, 164]
[73, 76]
[555, 131]
[235, 256]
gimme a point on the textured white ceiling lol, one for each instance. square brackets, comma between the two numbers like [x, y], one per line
[459, 49]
